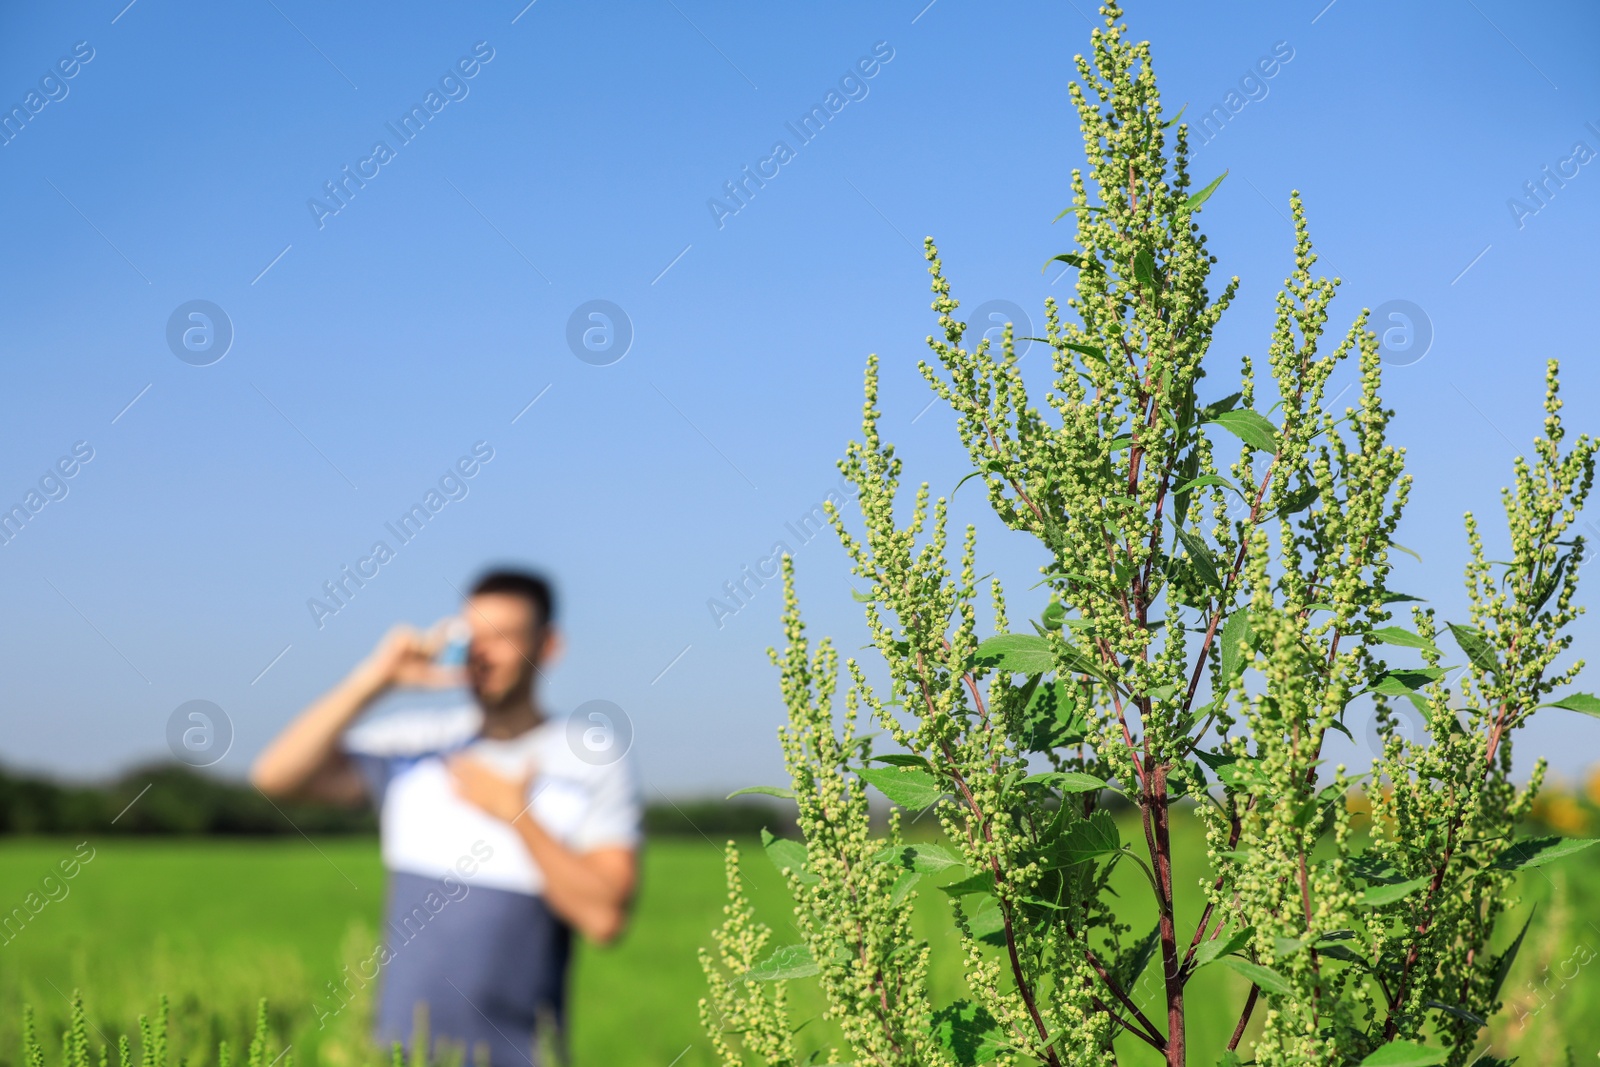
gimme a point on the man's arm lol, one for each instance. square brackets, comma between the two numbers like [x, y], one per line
[591, 890]
[305, 760]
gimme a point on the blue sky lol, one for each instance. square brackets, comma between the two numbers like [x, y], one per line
[374, 347]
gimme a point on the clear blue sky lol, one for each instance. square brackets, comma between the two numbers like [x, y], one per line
[372, 351]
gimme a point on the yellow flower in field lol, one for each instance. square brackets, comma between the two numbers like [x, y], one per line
[1562, 811]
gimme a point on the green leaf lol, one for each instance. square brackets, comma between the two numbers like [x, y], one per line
[1340, 952]
[1586, 703]
[1203, 480]
[1475, 643]
[1236, 632]
[1229, 1058]
[1405, 1054]
[1379, 895]
[1087, 350]
[1082, 262]
[902, 759]
[1205, 564]
[1053, 616]
[1068, 781]
[1017, 654]
[913, 789]
[1407, 551]
[1399, 635]
[1144, 268]
[764, 790]
[1051, 718]
[969, 1033]
[1216, 948]
[982, 882]
[787, 854]
[1133, 962]
[1210, 412]
[987, 922]
[1539, 851]
[1196, 199]
[790, 961]
[928, 859]
[1089, 839]
[1299, 500]
[1503, 962]
[1268, 979]
[1251, 427]
[1460, 1013]
[1174, 120]
[1401, 682]
[903, 886]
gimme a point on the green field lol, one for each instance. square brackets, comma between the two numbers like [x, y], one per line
[215, 924]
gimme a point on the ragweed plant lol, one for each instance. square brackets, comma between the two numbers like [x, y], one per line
[1218, 594]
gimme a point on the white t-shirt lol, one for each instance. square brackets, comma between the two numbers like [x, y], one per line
[426, 828]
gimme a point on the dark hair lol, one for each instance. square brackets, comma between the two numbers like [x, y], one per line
[534, 588]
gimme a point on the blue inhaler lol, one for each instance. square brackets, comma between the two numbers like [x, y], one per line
[458, 639]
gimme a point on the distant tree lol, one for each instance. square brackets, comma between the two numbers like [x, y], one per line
[1219, 592]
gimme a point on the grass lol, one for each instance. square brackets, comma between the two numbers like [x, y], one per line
[216, 924]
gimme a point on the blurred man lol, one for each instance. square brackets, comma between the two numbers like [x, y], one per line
[498, 835]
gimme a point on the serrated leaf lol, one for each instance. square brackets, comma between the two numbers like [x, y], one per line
[1379, 895]
[909, 788]
[1196, 199]
[1586, 703]
[982, 882]
[763, 790]
[1405, 1054]
[1236, 632]
[1477, 647]
[1538, 851]
[1251, 427]
[1216, 948]
[1503, 962]
[969, 1033]
[1204, 563]
[928, 859]
[1016, 653]
[1399, 635]
[785, 853]
[1137, 958]
[790, 961]
[1144, 268]
[1089, 839]
[1268, 979]
[1402, 682]
[902, 887]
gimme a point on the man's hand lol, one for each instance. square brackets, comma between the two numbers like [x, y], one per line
[408, 657]
[504, 798]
